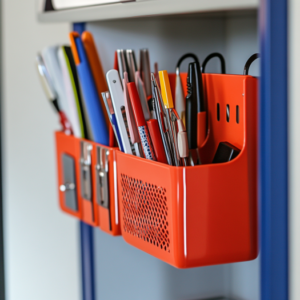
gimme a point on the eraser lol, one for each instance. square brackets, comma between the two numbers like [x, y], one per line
[225, 152]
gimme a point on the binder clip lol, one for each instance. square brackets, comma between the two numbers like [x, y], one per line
[103, 179]
[69, 182]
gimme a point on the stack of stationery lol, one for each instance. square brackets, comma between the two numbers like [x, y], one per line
[148, 122]
[130, 107]
[74, 74]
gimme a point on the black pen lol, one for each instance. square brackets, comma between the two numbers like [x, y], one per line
[194, 104]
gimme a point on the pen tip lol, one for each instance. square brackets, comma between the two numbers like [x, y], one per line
[152, 77]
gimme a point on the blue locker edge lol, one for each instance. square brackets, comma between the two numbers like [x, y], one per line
[86, 239]
[273, 162]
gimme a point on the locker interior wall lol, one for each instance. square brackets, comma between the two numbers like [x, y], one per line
[139, 275]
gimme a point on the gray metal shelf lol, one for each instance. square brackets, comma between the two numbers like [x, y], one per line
[145, 8]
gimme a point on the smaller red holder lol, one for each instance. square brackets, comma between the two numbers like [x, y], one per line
[89, 212]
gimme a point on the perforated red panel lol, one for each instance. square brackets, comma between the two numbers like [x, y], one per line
[145, 212]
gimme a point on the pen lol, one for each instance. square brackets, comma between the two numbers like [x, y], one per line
[183, 146]
[51, 94]
[179, 94]
[142, 94]
[160, 113]
[157, 141]
[131, 62]
[114, 134]
[133, 131]
[141, 123]
[116, 67]
[194, 104]
[145, 72]
[201, 106]
[122, 65]
[156, 74]
[111, 114]
[168, 102]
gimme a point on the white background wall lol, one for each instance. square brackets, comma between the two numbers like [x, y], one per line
[41, 243]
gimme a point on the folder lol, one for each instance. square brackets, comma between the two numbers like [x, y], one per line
[90, 93]
[96, 68]
[71, 93]
[50, 58]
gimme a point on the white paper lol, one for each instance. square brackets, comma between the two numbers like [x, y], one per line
[64, 4]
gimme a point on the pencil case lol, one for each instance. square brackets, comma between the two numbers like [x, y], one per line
[202, 215]
[87, 182]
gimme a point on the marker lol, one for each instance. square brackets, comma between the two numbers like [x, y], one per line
[195, 112]
[141, 123]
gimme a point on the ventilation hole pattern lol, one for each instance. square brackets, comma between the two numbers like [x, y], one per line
[145, 212]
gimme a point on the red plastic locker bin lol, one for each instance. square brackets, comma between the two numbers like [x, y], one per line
[68, 145]
[202, 215]
[90, 212]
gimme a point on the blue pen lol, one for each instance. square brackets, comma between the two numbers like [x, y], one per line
[112, 118]
[91, 98]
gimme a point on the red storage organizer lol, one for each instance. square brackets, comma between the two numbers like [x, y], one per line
[92, 212]
[202, 215]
